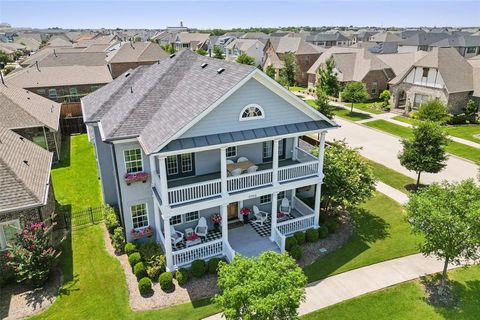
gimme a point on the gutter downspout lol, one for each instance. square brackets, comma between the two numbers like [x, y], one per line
[119, 194]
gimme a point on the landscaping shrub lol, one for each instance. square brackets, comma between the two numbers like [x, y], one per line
[182, 276]
[150, 249]
[155, 266]
[296, 252]
[323, 232]
[165, 281]
[134, 258]
[145, 286]
[213, 265]
[6, 272]
[290, 242]
[332, 226]
[198, 268]
[130, 248]
[311, 235]
[139, 270]
[118, 239]
[111, 220]
[300, 237]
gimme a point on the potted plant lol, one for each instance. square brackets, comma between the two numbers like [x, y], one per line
[245, 213]
[216, 218]
[136, 176]
[141, 233]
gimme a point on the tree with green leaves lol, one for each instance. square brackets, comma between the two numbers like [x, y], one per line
[201, 51]
[471, 110]
[287, 74]
[354, 92]
[168, 48]
[433, 110]
[270, 71]
[385, 97]
[244, 58]
[4, 58]
[217, 52]
[425, 151]
[270, 286]
[448, 216]
[323, 103]
[348, 180]
[327, 80]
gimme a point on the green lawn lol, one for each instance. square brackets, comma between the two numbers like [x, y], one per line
[296, 88]
[381, 234]
[406, 301]
[455, 148]
[391, 177]
[343, 113]
[406, 120]
[372, 107]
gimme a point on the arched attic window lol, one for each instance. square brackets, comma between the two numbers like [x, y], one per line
[252, 112]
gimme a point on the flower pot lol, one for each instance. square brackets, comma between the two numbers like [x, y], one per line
[245, 219]
[216, 227]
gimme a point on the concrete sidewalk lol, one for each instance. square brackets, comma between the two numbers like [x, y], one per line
[391, 192]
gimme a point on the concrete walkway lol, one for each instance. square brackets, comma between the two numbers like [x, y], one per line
[391, 192]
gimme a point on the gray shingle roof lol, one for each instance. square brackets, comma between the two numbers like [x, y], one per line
[57, 59]
[138, 52]
[155, 102]
[24, 172]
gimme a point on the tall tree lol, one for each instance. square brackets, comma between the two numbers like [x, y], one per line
[267, 287]
[471, 110]
[433, 110]
[323, 103]
[4, 58]
[217, 52]
[245, 59]
[287, 74]
[448, 216]
[327, 80]
[354, 92]
[201, 51]
[270, 71]
[168, 48]
[425, 152]
[385, 97]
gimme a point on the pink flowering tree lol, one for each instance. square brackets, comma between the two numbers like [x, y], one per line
[31, 255]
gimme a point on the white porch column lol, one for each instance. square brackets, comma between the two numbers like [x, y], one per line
[153, 170]
[321, 151]
[163, 181]
[295, 145]
[275, 162]
[274, 215]
[318, 193]
[223, 170]
[223, 211]
[168, 243]
[158, 227]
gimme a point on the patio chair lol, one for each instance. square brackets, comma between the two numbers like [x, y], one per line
[252, 169]
[242, 159]
[175, 236]
[285, 207]
[236, 172]
[230, 161]
[260, 216]
[202, 229]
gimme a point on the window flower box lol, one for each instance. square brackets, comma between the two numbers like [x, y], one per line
[135, 177]
[141, 233]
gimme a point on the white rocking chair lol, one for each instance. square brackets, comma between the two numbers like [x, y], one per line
[261, 216]
[285, 207]
[202, 229]
[175, 236]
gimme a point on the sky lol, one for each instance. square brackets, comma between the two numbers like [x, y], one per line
[227, 14]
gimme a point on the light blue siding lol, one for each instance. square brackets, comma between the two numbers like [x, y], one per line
[106, 170]
[225, 117]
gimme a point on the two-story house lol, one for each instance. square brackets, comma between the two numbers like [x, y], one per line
[207, 137]
[251, 47]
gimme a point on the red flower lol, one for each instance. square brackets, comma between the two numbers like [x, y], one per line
[245, 211]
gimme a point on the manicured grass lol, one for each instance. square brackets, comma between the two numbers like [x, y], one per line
[406, 120]
[391, 177]
[296, 88]
[372, 107]
[381, 234]
[406, 301]
[455, 148]
[466, 132]
[343, 113]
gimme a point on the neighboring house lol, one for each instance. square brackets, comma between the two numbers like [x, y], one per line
[192, 41]
[441, 74]
[59, 42]
[251, 47]
[420, 41]
[131, 55]
[305, 54]
[467, 46]
[352, 64]
[30, 44]
[255, 35]
[475, 62]
[31, 116]
[26, 192]
[362, 35]
[181, 125]
[71, 58]
[327, 39]
[45, 51]
[385, 36]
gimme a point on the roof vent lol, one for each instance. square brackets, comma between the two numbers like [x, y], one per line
[204, 65]
[26, 162]
[22, 138]
[172, 55]
[127, 74]
[219, 71]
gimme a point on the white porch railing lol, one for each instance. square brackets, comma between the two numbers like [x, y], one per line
[304, 156]
[201, 251]
[298, 170]
[249, 180]
[299, 224]
[302, 207]
[229, 252]
[194, 191]
[279, 239]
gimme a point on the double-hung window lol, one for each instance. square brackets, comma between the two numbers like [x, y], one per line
[176, 220]
[133, 160]
[231, 152]
[182, 165]
[266, 199]
[139, 215]
[52, 94]
[172, 165]
[187, 162]
[191, 216]
[8, 231]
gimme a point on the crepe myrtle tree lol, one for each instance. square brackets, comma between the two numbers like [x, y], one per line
[270, 286]
[448, 216]
[425, 152]
[287, 73]
[354, 92]
[323, 103]
[244, 58]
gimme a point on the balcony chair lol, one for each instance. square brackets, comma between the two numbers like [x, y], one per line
[230, 161]
[252, 169]
[202, 229]
[236, 172]
[175, 236]
[285, 207]
[261, 216]
[242, 159]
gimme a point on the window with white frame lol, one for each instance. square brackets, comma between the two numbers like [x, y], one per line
[8, 231]
[281, 195]
[231, 152]
[187, 162]
[176, 220]
[471, 49]
[139, 215]
[267, 149]
[266, 199]
[252, 112]
[133, 160]
[52, 94]
[172, 165]
[192, 216]
[374, 87]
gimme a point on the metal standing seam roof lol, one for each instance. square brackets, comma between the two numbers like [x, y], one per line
[243, 135]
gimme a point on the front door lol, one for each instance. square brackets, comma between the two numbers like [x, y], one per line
[232, 211]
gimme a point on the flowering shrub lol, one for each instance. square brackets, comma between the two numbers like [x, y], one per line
[31, 256]
[145, 232]
[216, 218]
[245, 211]
[137, 176]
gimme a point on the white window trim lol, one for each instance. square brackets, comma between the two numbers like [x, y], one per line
[252, 118]
[146, 211]
[3, 241]
[236, 151]
[267, 202]
[184, 218]
[125, 160]
[176, 224]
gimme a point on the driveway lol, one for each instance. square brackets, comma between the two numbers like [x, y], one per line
[384, 148]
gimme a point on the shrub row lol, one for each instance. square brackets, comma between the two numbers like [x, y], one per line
[294, 242]
[114, 229]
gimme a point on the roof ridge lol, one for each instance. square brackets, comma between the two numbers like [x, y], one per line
[25, 110]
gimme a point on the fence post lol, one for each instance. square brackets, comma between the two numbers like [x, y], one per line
[91, 214]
